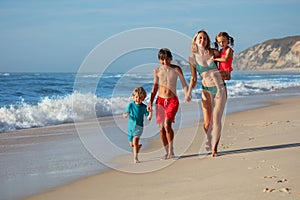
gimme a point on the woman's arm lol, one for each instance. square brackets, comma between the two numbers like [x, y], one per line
[193, 80]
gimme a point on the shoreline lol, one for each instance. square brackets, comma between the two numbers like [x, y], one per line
[249, 136]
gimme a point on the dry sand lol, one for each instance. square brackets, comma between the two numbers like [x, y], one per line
[259, 159]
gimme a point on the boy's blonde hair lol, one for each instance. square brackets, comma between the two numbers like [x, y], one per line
[140, 91]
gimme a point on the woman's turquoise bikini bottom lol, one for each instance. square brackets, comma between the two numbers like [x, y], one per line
[213, 90]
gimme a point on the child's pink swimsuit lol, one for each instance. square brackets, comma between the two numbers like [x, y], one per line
[225, 66]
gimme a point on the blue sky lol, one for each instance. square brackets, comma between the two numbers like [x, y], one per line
[57, 35]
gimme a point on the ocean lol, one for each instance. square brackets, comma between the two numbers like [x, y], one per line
[29, 100]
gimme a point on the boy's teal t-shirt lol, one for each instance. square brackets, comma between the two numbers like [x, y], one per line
[136, 114]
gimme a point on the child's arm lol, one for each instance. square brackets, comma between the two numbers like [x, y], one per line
[126, 113]
[150, 115]
[229, 54]
[154, 90]
[182, 79]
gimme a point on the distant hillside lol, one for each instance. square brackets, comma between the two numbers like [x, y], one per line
[273, 54]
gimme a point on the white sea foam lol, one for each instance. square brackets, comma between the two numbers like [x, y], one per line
[52, 111]
[250, 87]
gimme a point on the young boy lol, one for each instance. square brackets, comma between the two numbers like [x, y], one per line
[136, 110]
[165, 81]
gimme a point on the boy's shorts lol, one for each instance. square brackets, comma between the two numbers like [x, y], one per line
[166, 108]
[137, 132]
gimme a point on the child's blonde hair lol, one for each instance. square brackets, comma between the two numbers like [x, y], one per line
[140, 91]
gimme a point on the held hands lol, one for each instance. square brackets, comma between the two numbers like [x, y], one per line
[149, 116]
[188, 98]
[149, 107]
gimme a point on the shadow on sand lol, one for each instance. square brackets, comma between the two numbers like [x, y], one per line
[246, 150]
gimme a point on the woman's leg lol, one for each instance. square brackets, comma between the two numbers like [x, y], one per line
[218, 110]
[207, 109]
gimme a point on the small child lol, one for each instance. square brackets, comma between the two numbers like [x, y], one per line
[226, 54]
[136, 110]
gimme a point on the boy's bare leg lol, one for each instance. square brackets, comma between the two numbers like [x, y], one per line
[136, 149]
[170, 137]
[164, 140]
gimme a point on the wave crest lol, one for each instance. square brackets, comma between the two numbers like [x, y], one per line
[58, 110]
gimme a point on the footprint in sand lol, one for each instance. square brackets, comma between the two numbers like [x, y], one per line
[257, 167]
[225, 146]
[267, 124]
[286, 190]
[270, 177]
[282, 180]
[269, 190]
[278, 181]
[275, 168]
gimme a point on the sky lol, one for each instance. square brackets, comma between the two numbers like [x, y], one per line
[58, 35]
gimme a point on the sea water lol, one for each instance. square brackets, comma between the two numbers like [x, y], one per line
[29, 100]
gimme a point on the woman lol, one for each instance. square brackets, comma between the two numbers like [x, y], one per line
[214, 94]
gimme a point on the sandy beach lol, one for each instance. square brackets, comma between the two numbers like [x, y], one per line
[258, 159]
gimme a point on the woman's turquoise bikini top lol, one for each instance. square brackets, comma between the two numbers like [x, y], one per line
[200, 69]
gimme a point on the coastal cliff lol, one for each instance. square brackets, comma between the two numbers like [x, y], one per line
[274, 54]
